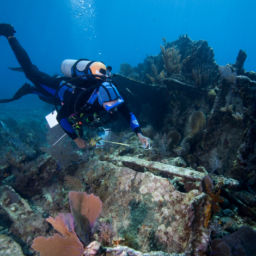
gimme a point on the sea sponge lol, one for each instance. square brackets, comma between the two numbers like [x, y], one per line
[196, 123]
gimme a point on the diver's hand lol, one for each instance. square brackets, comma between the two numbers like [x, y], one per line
[144, 141]
[80, 143]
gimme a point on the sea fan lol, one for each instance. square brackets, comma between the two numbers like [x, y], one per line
[85, 210]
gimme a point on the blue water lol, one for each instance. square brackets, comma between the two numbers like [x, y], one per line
[118, 31]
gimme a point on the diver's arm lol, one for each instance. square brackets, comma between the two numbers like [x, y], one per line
[134, 124]
[67, 127]
[62, 119]
[130, 117]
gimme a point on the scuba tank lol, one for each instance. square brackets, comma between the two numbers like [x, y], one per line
[83, 68]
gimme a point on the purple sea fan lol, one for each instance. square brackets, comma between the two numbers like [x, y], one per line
[65, 243]
[73, 228]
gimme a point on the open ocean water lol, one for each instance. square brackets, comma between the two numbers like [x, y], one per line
[120, 31]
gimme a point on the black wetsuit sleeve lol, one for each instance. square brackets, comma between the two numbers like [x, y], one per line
[62, 119]
[30, 70]
[130, 117]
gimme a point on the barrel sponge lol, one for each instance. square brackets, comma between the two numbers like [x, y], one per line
[196, 122]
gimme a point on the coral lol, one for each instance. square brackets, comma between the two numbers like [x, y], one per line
[63, 223]
[84, 208]
[214, 199]
[89, 206]
[201, 76]
[155, 77]
[65, 245]
[196, 123]
[106, 233]
[207, 213]
[171, 59]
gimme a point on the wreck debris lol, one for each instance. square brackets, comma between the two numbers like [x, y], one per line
[24, 220]
[130, 202]
[171, 171]
[240, 59]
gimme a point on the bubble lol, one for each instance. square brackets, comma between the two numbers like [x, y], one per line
[84, 13]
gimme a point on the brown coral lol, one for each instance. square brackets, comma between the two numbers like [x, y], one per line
[196, 122]
[66, 244]
[212, 205]
[171, 59]
[201, 76]
[207, 213]
[88, 205]
[84, 208]
[155, 77]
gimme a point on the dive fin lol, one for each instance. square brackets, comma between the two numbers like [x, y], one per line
[18, 69]
[24, 90]
[6, 100]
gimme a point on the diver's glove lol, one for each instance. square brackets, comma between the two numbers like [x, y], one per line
[80, 143]
[6, 30]
[144, 141]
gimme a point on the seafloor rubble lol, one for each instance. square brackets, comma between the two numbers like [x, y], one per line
[193, 193]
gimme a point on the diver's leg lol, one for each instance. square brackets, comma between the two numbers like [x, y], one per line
[30, 70]
[24, 90]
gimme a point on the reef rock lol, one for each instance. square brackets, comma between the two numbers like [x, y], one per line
[146, 212]
[242, 243]
[126, 251]
[8, 247]
[24, 221]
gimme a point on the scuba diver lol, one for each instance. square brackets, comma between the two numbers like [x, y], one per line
[85, 95]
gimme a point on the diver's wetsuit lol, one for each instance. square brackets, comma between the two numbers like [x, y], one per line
[72, 101]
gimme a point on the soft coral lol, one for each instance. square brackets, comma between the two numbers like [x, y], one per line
[84, 207]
